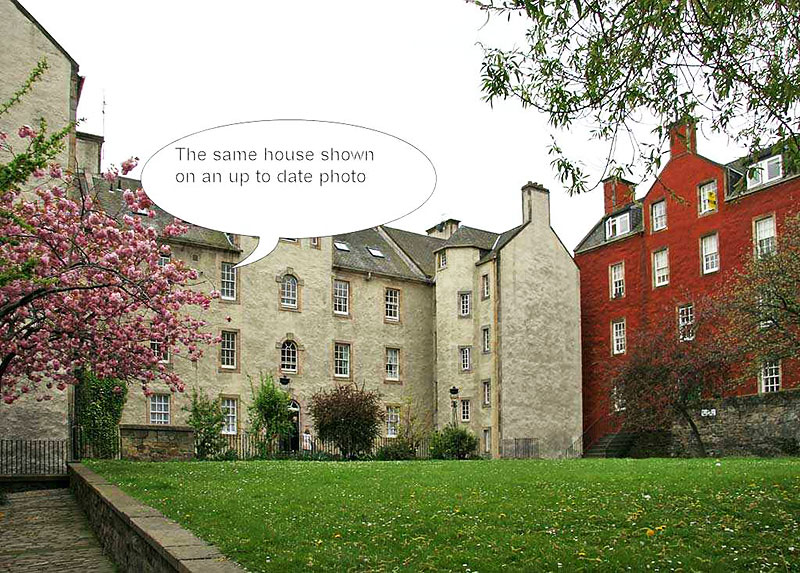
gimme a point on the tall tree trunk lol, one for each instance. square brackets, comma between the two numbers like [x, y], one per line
[695, 432]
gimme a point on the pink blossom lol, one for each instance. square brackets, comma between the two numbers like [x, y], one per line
[129, 165]
[26, 131]
[55, 171]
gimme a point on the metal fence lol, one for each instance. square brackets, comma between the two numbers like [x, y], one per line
[33, 457]
[246, 446]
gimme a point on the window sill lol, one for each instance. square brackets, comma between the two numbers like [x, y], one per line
[392, 382]
[288, 309]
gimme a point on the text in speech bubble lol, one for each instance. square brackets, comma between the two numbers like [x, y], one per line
[288, 178]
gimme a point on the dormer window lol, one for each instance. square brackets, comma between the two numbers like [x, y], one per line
[766, 171]
[340, 246]
[619, 225]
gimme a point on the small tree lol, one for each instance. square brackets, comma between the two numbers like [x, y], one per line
[413, 428]
[349, 416]
[207, 418]
[98, 411]
[269, 411]
[453, 443]
[669, 373]
[762, 301]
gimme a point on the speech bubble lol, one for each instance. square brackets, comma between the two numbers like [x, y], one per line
[288, 178]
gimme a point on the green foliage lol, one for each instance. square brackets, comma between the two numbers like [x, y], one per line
[98, 411]
[269, 411]
[622, 66]
[454, 443]
[348, 416]
[529, 515]
[763, 302]
[207, 418]
[396, 449]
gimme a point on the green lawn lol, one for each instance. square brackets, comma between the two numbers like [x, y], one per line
[512, 515]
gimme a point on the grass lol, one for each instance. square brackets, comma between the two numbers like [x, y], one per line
[481, 516]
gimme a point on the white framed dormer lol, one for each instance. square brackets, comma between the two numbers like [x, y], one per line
[765, 171]
[618, 225]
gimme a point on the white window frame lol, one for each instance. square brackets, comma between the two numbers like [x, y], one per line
[486, 339]
[465, 355]
[289, 291]
[341, 246]
[709, 247]
[618, 226]
[487, 440]
[442, 259]
[314, 242]
[160, 409]
[289, 357]
[391, 299]
[466, 408]
[230, 409]
[707, 191]
[392, 421]
[765, 245]
[486, 286]
[487, 392]
[341, 297]
[341, 360]
[227, 357]
[758, 173]
[227, 287]
[617, 280]
[393, 364]
[686, 322]
[661, 273]
[770, 376]
[163, 355]
[164, 260]
[618, 337]
[464, 303]
[658, 220]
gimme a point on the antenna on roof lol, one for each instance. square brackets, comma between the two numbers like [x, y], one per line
[103, 112]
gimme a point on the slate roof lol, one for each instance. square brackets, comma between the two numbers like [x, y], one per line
[737, 170]
[597, 236]
[419, 248]
[110, 197]
[358, 258]
[500, 243]
[471, 237]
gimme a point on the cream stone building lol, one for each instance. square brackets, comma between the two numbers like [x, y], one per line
[470, 327]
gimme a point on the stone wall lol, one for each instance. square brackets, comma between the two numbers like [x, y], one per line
[137, 537]
[757, 425]
[156, 443]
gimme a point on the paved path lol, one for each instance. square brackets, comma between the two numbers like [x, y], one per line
[45, 530]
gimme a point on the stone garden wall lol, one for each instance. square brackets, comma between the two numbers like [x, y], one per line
[139, 538]
[156, 443]
[758, 425]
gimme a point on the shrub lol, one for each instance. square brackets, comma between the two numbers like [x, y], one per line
[397, 449]
[207, 419]
[98, 411]
[348, 416]
[453, 443]
[269, 412]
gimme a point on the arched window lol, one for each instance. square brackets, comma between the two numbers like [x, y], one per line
[289, 356]
[289, 292]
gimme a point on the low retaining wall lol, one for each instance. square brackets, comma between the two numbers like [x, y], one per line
[156, 443]
[758, 425]
[139, 538]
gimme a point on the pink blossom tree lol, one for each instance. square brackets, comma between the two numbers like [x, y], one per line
[82, 288]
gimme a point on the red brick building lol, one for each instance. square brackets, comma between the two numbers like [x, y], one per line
[678, 243]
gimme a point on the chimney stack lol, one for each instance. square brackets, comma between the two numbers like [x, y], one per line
[444, 230]
[617, 193]
[535, 204]
[683, 137]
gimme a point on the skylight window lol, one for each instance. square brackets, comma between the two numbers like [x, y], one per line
[376, 252]
[340, 246]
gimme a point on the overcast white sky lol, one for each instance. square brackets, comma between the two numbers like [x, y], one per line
[412, 69]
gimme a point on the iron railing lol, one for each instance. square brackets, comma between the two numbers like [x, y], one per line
[33, 457]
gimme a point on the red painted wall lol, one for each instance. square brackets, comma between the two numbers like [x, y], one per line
[733, 221]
